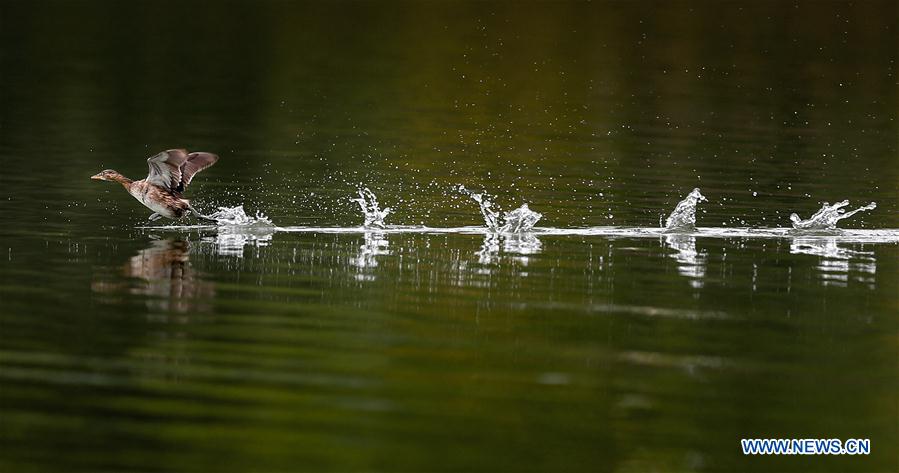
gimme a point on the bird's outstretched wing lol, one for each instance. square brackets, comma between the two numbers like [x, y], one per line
[165, 169]
[196, 162]
[174, 169]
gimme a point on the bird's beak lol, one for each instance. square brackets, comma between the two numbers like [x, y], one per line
[98, 177]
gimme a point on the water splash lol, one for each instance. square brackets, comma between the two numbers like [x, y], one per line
[520, 220]
[374, 216]
[828, 216]
[684, 215]
[491, 217]
[237, 216]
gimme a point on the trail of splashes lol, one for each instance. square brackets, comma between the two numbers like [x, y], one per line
[520, 220]
[374, 216]
[684, 215]
[828, 216]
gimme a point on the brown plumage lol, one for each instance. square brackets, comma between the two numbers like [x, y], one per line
[161, 191]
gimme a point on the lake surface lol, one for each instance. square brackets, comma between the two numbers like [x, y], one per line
[129, 346]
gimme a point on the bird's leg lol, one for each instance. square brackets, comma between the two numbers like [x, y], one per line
[201, 216]
[154, 217]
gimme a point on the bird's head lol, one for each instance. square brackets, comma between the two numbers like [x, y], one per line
[110, 175]
[107, 175]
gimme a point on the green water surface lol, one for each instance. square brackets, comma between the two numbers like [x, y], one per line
[131, 349]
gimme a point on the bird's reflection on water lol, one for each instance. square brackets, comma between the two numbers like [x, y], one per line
[162, 273]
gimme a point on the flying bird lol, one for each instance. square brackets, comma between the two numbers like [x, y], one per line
[161, 191]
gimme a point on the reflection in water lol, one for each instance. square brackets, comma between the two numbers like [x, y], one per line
[523, 244]
[489, 252]
[517, 245]
[837, 263]
[166, 276]
[375, 244]
[430, 263]
[231, 240]
[690, 263]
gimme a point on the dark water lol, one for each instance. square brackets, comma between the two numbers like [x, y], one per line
[126, 348]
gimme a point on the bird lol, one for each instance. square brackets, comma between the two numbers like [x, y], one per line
[162, 190]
